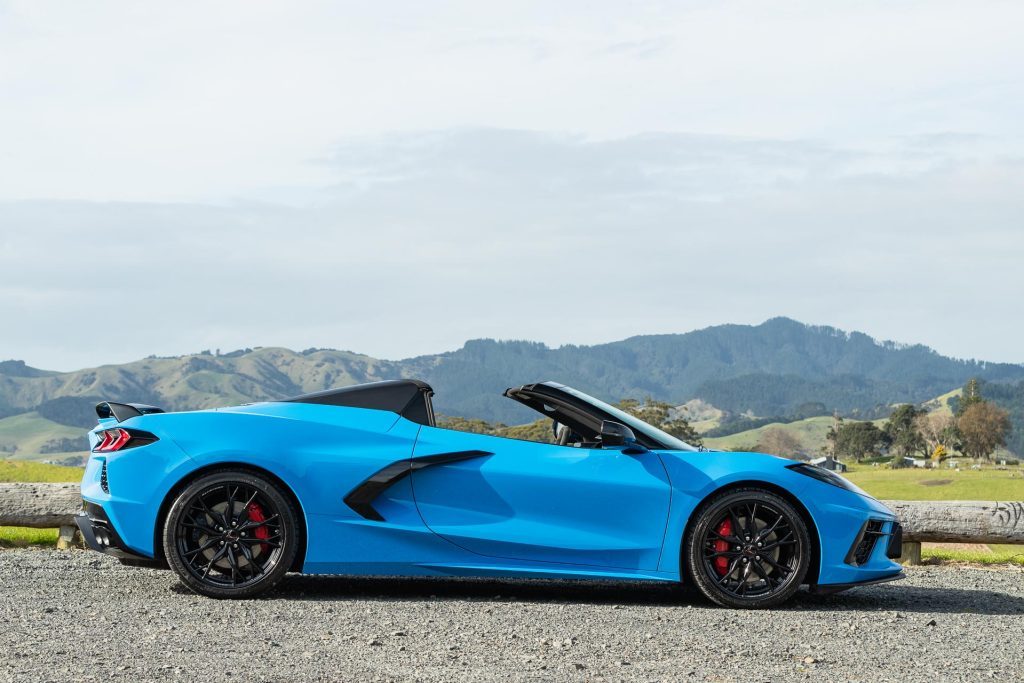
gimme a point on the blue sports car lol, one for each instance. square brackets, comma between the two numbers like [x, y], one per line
[360, 480]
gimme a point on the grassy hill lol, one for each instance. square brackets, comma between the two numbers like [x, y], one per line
[774, 368]
[31, 436]
[810, 432]
[940, 404]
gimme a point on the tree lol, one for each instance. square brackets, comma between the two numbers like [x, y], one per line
[663, 416]
[777, 441]
[858, 440]
[937, 430]
[983, 427]
[539, 431]
[465, 424]
[837, 422]
[901, 430]
[970, 396]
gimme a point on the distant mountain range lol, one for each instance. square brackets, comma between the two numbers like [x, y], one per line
[776, 368]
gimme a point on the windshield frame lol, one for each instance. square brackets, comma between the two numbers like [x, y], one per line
[671, 443]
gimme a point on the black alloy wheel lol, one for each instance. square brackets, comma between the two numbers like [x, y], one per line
[748, 548]
[231, 535]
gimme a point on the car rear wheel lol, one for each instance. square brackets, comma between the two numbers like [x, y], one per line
[231, 535]
[748, 548]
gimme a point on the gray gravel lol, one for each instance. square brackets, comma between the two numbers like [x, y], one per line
[78, 615]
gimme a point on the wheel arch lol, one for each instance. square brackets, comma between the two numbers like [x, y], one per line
[813, 569]
[172, 494]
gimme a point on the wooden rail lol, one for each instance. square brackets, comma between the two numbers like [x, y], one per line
[42, 506]
[50, 506]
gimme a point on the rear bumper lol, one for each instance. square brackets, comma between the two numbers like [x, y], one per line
[100, 535]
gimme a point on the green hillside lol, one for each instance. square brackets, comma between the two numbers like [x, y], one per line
[777, 368]
[810, 432]
[30, 436]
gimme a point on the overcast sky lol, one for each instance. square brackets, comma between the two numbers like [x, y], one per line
[396, 178]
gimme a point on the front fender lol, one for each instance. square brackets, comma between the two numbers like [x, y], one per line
[698, 475]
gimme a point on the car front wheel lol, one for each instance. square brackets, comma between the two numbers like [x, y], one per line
[748, 548]
[231, 535]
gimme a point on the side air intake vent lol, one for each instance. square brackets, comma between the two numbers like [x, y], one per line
[869, 534]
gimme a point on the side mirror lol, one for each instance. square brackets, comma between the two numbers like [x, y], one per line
[616, 434]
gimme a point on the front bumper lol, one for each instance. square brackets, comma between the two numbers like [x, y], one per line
[833, 588]
[100, 535]
[874, 533]
[858, 537]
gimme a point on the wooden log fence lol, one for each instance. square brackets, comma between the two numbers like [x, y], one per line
[49, 506]
[42, 506]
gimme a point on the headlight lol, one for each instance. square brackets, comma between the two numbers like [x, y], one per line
[827, 476]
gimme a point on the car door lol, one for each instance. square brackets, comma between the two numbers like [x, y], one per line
[521, 500]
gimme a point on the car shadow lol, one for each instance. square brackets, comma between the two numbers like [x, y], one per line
[895, 597]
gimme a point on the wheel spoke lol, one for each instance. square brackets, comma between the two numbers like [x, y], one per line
[253, 525]
[752, 522]
[217, 557]
[202, 527]
[229, 511]
[767, 531]
[762, 573]
[233, 561]
[243, 516]
[254, 569]
[269, 542]
[206, 509]
[785, 540]
[744, 575]
[780, 567]
[206, 546]
[731, 540]
[729, 571]
[737, 528]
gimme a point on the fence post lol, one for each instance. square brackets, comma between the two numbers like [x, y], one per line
[910, 553]
[66, 537]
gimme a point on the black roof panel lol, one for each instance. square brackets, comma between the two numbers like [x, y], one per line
[410, 398]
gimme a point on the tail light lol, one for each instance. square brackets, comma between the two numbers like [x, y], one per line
[118, 439]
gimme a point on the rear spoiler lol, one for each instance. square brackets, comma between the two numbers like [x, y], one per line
[124, 411]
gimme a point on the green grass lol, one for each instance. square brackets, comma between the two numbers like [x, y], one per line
[26, 470]
[939, 484]
[22, 537]
[1001, 554]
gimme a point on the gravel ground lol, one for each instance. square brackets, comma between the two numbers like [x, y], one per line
[78, 615]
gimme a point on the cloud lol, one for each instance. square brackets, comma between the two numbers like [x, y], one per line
[436, 237]
[187, 102]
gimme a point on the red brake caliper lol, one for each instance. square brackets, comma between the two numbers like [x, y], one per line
[256, 515]
[721, 562]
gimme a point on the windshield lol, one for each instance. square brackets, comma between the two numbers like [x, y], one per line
[636, 424]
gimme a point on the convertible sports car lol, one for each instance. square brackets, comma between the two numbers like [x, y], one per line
[360, 480]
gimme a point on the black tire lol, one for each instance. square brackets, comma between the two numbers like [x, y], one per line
[236, 555]
[723, 556]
